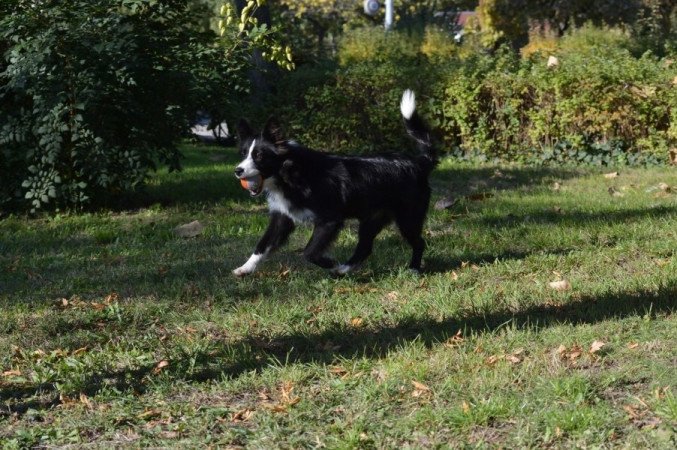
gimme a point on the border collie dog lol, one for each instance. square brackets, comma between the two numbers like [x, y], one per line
[304, 185]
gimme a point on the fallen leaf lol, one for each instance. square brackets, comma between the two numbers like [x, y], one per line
[664, 187]
[611, 175]
[561, 349]
[161, 365]
[552, 61]
[97, 306]
[356, 322]
[633, 411]
[189, 230]
[576, 351]
[561, 285]
[633, 345]
[454, 275]
[110, 298]
[455, 340]
[11, 373]
[286, 392]
[420, 386]
[392, 296]
[556, 186]
[465, 406]
[596, 347]
[661, 262]
[614, 192]
[278, 408]
[85, 401]
[513, 359]
[492, 359]
[79, 351]
[263, 395]
[338, 370]
[148, 414]
[242, 416]
[169, 434]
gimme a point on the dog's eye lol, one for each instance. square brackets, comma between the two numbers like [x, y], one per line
[257, 155]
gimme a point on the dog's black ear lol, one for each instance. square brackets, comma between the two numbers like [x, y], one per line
[272, 132]
[244, 130]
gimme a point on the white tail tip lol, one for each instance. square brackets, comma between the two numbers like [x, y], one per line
[408, 104]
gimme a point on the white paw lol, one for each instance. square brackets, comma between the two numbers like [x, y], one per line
[342, 269]
[243, 271]
[249, 266]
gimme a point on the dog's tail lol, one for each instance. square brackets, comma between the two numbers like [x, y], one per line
[416, 127]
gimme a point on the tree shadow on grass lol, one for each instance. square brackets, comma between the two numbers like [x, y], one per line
[463, 181]
[205, 262]
[345, 342]
[232, 359]
[578, 218]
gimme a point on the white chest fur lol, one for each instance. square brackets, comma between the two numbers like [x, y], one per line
[278, 202]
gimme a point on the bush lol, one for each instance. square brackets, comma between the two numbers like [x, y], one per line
[599, 104]
[353, 106]
[96, 92]
[597, 94]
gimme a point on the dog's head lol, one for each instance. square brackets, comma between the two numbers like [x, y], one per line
[262, 153]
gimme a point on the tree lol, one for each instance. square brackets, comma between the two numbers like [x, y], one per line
[96, 93]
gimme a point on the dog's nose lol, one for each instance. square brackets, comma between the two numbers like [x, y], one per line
[239, 171]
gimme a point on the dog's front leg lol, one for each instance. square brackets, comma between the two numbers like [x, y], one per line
[279, 229]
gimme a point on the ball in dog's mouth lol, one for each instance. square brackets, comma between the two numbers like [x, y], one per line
[253, 184]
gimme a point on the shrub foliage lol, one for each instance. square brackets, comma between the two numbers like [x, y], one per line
[95, 93]
[598, 103]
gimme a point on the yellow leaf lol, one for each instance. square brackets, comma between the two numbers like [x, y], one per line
[611, 175]
[356, 322]
[596, 346]
[85, 401]
[633, 345]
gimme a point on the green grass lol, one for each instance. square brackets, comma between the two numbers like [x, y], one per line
[116, 332]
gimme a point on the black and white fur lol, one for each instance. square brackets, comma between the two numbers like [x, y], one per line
[304, 185]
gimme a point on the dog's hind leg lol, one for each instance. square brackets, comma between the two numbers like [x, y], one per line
[277, 233]
[410, 224]
[367, 232]
[323, 235]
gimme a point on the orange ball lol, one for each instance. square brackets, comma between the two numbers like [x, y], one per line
[252, 183]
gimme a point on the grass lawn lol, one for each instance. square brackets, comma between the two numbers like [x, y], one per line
[116, 332]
